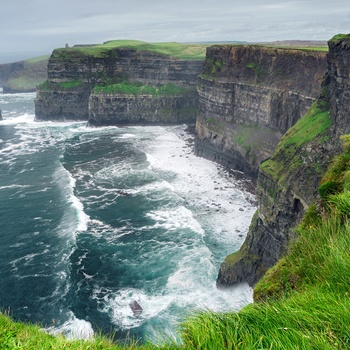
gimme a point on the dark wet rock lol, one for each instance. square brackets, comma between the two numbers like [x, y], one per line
[136, 308]
[248, 98]
[285, 189]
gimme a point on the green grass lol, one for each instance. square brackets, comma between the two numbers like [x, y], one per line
[301, 303]
[302, 48]
[176, 50]
[315, 48]
[313, 126]
[215, 124]
[339, 37]
[48, 86]
[16, 335]
[38, 59]
[258, 69]
[310, 320]
[245, 137]
[138, 88]
[70, 84]
[45, 86]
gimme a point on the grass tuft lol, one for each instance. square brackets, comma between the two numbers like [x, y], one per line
[313, 126]
[138, 88]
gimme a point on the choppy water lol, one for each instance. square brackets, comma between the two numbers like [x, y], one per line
[92, 219]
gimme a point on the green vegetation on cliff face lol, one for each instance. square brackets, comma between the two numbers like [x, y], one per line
[70, 84]
[288, 155]
[176, 50]
[258, 70]
[340, 37]
[301, 303]
[138, 88]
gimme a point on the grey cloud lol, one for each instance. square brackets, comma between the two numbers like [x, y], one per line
[41, 25]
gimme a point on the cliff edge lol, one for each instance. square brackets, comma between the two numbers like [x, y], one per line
[288, 182]
[249, 96]
[109, 85]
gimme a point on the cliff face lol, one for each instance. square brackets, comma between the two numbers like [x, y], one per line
[288, 181]
[249, 96]
[117, 64]
[112, 109]
[23, 76]
[72, 75]
[7, 69]
[57, 102]
[339, 83]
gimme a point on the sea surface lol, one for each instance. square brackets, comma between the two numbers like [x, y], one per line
[93, 219]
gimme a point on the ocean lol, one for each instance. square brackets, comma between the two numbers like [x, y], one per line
[94, 219]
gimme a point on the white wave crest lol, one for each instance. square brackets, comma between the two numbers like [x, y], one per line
[21, 119]
[175, 219]
[74, 328]
[117, 305]
[74, 213]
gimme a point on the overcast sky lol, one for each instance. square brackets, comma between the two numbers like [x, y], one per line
[39, 26]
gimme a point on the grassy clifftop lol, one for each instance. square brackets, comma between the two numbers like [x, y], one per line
[173, 49]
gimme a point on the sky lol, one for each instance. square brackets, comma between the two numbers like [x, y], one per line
[35, 27]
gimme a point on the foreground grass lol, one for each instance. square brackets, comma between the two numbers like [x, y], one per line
[310, 320]
[301, 303]
[15, 335]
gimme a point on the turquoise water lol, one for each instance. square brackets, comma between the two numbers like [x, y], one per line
[93, 219]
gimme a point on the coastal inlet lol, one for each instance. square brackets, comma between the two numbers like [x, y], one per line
[94, 220]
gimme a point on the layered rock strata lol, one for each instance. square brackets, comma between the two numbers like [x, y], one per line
[288, 182]
[73, 74]
[124, 109]
[249, 96]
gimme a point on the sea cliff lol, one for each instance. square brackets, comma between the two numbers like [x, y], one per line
[94, 84]
[249, 96]
[124, 109]
[288, 182]
[23, 76]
